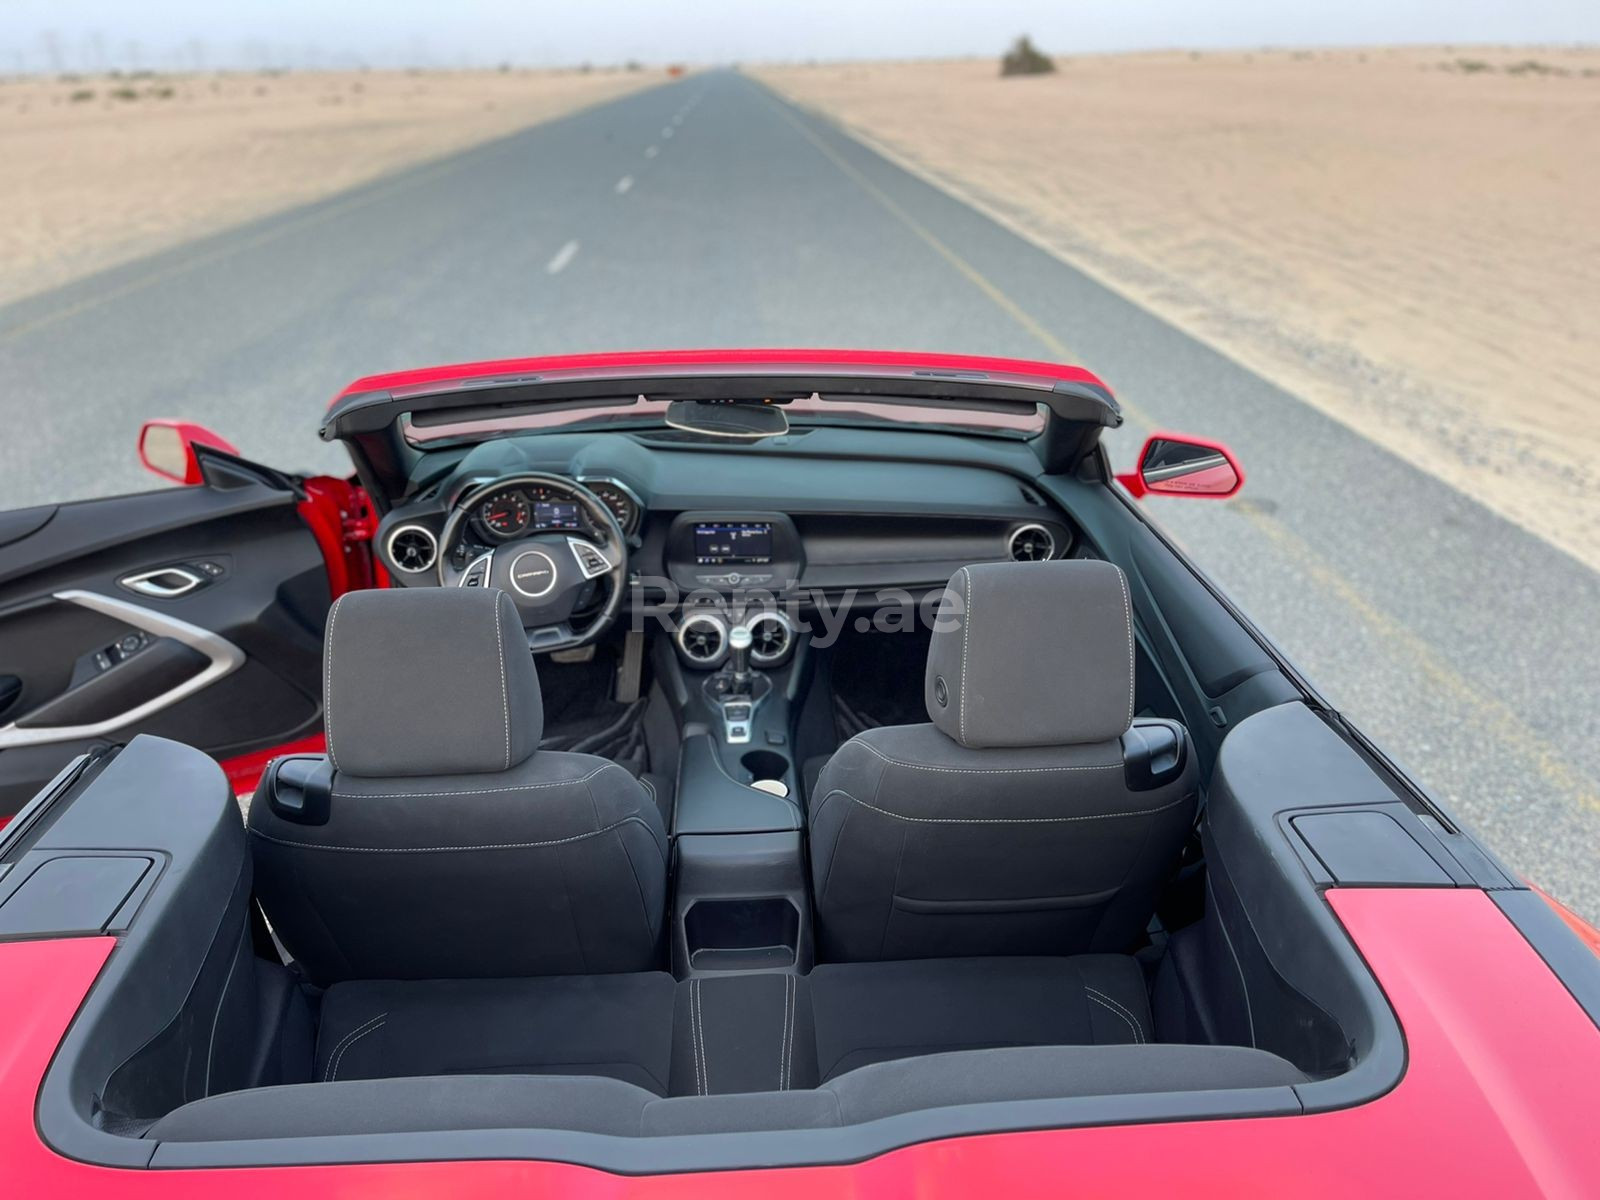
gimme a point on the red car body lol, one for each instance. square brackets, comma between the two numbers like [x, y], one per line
[1498, 1096]
[1498, 1099]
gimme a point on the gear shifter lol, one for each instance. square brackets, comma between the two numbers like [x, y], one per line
[739, 640]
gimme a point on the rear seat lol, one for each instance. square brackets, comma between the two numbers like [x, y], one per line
[727, 1034]
[874, 1012]
[614, 1026]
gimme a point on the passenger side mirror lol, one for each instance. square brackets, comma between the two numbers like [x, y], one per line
[1178, 464]
[167, 449]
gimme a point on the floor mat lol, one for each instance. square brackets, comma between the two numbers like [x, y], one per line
[581, 717]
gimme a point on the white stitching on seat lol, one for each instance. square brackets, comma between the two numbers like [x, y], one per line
[577, 837]
[898, 762]
[1127, 607]
[331, 1071]
[327, 686]
[500, 654]
[494, 791]
[1141, 812]
[702, 1081]
[966, 628]
[1137, 1036]
[1106, 1001]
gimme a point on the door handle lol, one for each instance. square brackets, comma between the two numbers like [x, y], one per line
[164, 583]
[221, 656]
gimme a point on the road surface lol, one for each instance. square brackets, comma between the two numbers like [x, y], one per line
[709, 212]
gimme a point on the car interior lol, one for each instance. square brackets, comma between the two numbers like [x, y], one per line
[684, 807]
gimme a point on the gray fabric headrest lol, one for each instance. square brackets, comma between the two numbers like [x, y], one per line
[428, 681]
[1033, 654]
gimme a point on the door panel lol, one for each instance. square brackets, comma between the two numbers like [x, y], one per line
[192, 613]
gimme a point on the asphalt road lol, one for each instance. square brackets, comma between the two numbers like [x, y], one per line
[708, 212]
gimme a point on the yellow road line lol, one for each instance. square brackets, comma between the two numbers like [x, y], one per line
[974, 276]
[1498, 718]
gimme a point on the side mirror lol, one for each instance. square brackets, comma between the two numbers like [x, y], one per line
[167, 449]
[1179, 464]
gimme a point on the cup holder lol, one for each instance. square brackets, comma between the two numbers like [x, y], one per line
[765, 764]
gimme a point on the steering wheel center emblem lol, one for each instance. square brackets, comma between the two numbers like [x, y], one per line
[533, 573]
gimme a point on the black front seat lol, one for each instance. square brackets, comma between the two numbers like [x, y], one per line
[1034, 816]
[436, 841]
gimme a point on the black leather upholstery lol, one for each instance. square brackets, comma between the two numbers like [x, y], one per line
[1009, 826]
[471, 854]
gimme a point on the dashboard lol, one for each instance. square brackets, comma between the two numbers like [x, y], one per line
[725, 521]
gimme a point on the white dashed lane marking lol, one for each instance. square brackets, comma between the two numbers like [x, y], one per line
[652, 151]
[624, 184]
[666, 131]
[563, 256]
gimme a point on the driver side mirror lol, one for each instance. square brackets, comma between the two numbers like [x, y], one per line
[1179, 464]
[167, 449]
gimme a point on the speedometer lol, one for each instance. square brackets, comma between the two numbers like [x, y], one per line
[506, 515]
[620, 503]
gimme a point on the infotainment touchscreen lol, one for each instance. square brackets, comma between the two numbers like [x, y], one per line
[720, 543]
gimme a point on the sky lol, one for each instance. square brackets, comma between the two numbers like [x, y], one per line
[87, 35]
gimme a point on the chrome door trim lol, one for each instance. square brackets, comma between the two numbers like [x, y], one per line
[224, 659]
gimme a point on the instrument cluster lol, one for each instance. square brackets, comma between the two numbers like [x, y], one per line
[516, 510]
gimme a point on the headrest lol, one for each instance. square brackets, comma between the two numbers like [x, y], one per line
[1033, 654]
[428, 681]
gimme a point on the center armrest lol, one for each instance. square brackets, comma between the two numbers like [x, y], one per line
[709, 800]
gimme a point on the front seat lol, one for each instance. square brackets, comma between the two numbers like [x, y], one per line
[435, 840]
[1034, 816]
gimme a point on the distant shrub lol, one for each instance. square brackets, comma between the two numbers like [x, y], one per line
[124, 93]
[1472, 66]
[633, 65]
[82, 95]
[163, 93]
[1024, 59]
[1529, 66]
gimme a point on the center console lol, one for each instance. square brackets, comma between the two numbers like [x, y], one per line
[736, 671]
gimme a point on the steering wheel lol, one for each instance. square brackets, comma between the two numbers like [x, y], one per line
[547, 575]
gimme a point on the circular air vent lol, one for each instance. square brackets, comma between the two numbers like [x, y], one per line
[1032, 543]
[703, 639]
[412, 549]
[772, 636]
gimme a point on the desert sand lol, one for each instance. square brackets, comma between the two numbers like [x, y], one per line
[101, 170]
[1407, 238]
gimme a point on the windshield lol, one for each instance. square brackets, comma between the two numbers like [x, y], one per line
[641, 412]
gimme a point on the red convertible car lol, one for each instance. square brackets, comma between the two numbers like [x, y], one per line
[694, 773]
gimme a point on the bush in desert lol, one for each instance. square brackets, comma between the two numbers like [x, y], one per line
[1024, 59]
